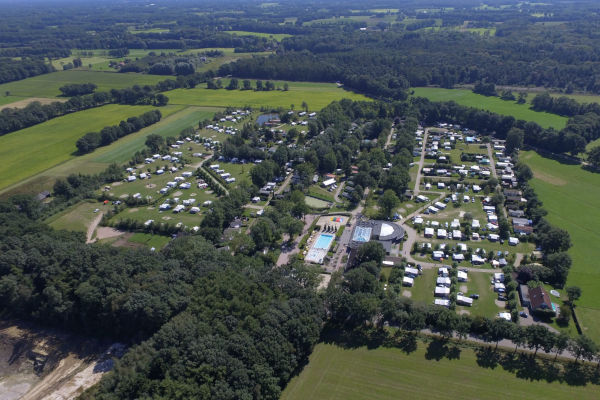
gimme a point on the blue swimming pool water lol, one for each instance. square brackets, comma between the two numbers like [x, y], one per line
[362, 234]
[323, 241]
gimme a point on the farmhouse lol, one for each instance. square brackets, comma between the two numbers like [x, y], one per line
[539, 300]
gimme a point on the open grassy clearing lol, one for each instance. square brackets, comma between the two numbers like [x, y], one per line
[47, 85]
[494, 104]
[276, 36]
[479, 282]
[316, 95]
[4, 100]
[32, 150]
[389, 373]
[149, 240]
[570, 195]
[75, 218]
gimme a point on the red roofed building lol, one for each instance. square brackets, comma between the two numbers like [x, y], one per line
[539, 299]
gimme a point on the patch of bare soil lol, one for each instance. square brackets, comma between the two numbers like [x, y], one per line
[501, 304]
[124, 196]
[117, 183]
[463, 288]
[150, 186]
[325, 278]
[123, 241]
[406, 293]
[465, 312]
[408, 205]
[47, 364]
[178, 193]
[132, 210]
[105, 232]
[25, 102]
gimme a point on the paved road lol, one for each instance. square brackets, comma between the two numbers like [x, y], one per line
[336, 196]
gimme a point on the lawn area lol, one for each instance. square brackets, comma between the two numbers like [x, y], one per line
[424, 287]
[35, 149]
[149, 240]
[316, 95]
[315, 203]
[47, 85]
[389, 373]
[494, 104]
[75, 218]
[479, 282]
[276, 36]
[570, 195]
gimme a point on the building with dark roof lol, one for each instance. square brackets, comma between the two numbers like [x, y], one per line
[539, 299]
[385, 232]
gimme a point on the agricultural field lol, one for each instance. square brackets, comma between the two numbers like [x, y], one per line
[389, 373]
[316, 95]
[494, 104]
[35, 149]
[570, 195]
[277, 36]
[4, 100]
[47, 85]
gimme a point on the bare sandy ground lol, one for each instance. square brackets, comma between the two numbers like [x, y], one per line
[25, 102]
[105, 232]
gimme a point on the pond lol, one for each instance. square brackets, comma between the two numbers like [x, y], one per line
[264, 118]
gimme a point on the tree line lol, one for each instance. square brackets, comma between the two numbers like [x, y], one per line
[14, 70]
[92, 140]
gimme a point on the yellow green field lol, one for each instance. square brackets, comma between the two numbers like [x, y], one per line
[316, 95]
[32, 150]
[47, 85]
[570, 195]
[494, 104]
[276, 36]
[389, 373]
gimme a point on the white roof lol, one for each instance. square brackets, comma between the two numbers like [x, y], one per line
[461, 275]
[408, 280]
[429, 231]
[441, 302]
[329, 182]
[442, 290]
[504, 315]
[412, 271]
[443, 280]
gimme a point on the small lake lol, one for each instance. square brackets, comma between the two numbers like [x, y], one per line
[264, 118]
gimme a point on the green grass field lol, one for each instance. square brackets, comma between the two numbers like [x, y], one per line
[75, 218]
[570, 195]
[494, 104]
[47, 85]
[35, 149]
[149, 240]
[277, 36]
[9, 99]
[389, 373]
[316, 95]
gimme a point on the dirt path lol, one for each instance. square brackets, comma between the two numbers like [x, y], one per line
[389, 139]
[92, 227]
[25, 102]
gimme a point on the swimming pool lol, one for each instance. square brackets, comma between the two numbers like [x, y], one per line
[362, 234]
[323, 241]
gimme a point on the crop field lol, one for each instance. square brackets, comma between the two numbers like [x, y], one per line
[35, 149]
[570, 195]
[494, 104]
[389, 373]
[277, 36]
[316, 95]
[47, 85]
